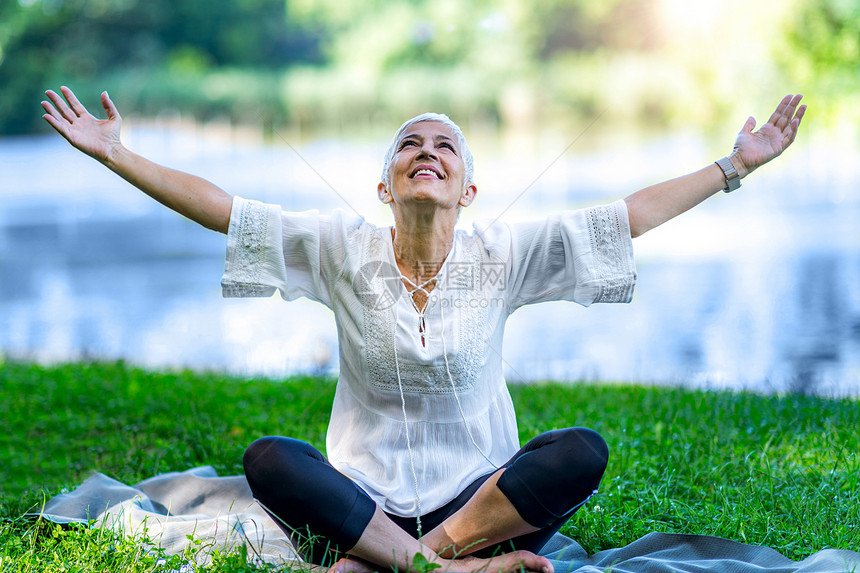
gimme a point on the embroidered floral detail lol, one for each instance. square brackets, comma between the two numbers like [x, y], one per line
[249, 252]
[465, 308]
[607, 244]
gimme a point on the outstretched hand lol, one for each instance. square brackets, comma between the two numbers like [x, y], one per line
[754, 149]
[98, 138]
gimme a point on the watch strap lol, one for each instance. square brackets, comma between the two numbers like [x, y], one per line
[733, 180]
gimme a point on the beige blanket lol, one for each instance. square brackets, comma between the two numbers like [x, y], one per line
[221, 512]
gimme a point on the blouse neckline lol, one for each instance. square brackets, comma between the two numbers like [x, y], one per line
[438, 277]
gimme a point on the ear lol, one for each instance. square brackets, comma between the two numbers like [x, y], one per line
[469, 193]
[384, 195]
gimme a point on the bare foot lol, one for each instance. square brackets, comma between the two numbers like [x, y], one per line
[513, 562]
[355, 565]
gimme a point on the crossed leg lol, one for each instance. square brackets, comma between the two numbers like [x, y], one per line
[385, 543]
[488, 518]
[516, 507]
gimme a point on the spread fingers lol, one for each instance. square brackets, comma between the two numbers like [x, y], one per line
[61, 106]
[76, 106]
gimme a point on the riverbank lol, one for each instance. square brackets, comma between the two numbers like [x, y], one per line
[777, 471]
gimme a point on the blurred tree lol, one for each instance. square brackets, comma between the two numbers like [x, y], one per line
[47, 41]
[559, 27]
[825, 35]
[393, 58]
[825, 40]
[326, 61]
[823, 56]
[382, 35]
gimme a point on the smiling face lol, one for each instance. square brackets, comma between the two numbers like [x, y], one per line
[463, 146]
[427, 167]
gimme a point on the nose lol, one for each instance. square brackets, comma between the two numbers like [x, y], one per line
[427, 149]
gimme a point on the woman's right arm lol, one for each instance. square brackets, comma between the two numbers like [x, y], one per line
[188, 195]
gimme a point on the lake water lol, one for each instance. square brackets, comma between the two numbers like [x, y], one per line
[758, 290]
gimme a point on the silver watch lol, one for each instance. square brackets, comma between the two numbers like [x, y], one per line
[733, 180]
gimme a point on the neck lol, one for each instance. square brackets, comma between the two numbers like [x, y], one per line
[422, 242]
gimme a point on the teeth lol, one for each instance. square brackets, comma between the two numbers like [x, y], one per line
[425, 172]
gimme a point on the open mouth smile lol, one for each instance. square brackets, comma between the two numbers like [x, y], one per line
[425, 172]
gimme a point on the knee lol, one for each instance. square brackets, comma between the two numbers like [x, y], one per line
[257, 452]
[273, 456]
[587, 450]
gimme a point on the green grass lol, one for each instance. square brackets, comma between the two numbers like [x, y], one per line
[777, 471]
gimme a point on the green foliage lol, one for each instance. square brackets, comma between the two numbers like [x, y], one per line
[44, 43]
[826, 34]
[321, 96]
[385, 35]
[343, 63]
[238, 93]
[557, 28]
[500, 59]
[44, 546]
[782, 472]
[420, 564]
[777, 471]
[824, 55]
[134, 423]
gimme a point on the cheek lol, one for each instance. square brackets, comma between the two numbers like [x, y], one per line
[401, 165]
[457, 172]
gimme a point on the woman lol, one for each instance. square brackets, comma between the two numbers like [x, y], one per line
[422, 443]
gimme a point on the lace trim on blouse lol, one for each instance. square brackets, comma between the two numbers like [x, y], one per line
[607, 244]
[250, 253]
[380, 329]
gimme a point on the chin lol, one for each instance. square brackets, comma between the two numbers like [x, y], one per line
[425, 200]
[425, 195]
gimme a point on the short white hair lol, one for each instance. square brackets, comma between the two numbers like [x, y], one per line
[465, 152]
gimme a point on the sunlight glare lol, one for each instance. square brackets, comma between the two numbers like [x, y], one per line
[718, 20]
[685, 18]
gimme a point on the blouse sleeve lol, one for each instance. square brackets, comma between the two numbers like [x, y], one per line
[269, 249]
[583, 256]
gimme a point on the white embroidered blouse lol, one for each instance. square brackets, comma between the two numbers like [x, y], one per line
[415, 421]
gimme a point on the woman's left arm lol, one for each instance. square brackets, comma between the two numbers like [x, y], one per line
[657, 204]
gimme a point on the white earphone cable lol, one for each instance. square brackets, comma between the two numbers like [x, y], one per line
[406, 427]
[454, 388]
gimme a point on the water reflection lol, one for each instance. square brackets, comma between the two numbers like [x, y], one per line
[775, 326]
[737, 295]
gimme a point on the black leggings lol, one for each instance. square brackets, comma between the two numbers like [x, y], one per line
[324, 513]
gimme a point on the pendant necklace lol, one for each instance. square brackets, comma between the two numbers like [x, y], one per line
[422, 325]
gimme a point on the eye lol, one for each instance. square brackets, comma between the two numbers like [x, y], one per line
[408, 142]
[446, 144]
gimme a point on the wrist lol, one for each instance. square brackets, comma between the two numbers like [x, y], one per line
[114, 156]
[730, 174]
[738, 164]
